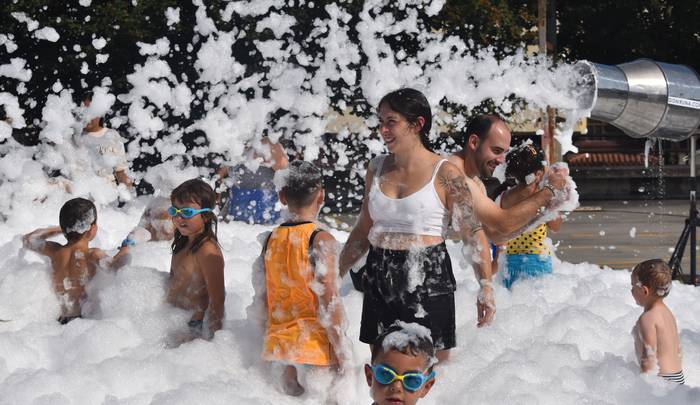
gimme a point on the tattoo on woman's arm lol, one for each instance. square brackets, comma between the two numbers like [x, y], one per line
[462, 203]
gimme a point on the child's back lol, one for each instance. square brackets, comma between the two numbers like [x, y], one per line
[304, 315]
[73, 266]
[74, 263]
[656, 339]
[659, 325]
[294, 331]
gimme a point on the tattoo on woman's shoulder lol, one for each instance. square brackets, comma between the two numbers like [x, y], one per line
[462, 202]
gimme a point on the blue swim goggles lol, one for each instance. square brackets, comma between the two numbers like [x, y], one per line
[186, 212]
[412, 381]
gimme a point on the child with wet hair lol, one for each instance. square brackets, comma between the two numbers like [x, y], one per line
[527, 255]
[197, 266]
[403, 357]
[297, 286]
[656, 339]
[74, 263]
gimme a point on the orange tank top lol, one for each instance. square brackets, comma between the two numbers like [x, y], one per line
[294, 333]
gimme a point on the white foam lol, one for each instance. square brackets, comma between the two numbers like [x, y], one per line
[558, 339]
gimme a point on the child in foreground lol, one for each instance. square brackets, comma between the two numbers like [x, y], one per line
[197, 266]
[75, 263]
[402, 365]
[656, 340]
[304, 313]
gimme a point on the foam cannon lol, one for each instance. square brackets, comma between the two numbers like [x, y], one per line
[649, 99]
[644, 98]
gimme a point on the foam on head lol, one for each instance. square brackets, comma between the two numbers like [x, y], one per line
[407, 338]
[300, 182]
[76, 217]
[654, 274]
[524, 160]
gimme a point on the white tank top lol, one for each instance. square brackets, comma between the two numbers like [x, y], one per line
[421, 213]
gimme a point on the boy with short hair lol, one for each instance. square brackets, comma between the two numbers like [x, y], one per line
[656, 340]
[74, 263]
[403, 357]
[304, 318]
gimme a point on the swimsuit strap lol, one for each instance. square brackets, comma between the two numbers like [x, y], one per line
[436, 169]
[378, 173]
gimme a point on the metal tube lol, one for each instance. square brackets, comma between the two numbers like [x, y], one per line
[692, 161]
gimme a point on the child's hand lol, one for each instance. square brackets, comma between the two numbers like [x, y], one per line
[139, 235]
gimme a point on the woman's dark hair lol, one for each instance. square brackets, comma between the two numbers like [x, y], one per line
[197, 191]
[523, 160]
[412, 104]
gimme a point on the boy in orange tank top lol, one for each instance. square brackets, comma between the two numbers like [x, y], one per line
[304, 320]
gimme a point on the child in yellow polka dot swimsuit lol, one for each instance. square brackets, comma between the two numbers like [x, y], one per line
[527, 254]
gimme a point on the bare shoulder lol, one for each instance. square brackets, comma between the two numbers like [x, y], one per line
[649, 319]
[209, 248]
[457, 160]
[449, 176]
[323, 238]
[375, 161]
[209, 259]
[96, 254]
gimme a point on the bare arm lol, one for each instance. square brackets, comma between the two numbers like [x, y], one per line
[648, 361]
[476, 247]
[123, 178]
[257, 310]
[357, 243]
[36, 240]
[325, 250]
[212, 267]
[121, 259]
[279, 157]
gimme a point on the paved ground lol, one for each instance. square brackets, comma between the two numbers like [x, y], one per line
[619, 234]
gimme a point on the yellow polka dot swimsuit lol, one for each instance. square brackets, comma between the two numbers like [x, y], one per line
[529, 242]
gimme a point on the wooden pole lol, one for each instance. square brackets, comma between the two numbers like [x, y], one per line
[542, 44]
[546, 27]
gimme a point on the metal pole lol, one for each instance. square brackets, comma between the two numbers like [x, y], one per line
[693, 213]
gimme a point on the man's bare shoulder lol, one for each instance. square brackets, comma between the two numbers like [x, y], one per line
[457, 159]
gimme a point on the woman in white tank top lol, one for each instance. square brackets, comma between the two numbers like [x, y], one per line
[411, 195]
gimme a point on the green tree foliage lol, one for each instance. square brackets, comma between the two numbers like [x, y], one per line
[615, 31]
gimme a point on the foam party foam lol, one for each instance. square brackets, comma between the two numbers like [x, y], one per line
[564, 338]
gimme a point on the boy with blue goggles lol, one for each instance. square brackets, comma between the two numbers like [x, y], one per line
[402, 365]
